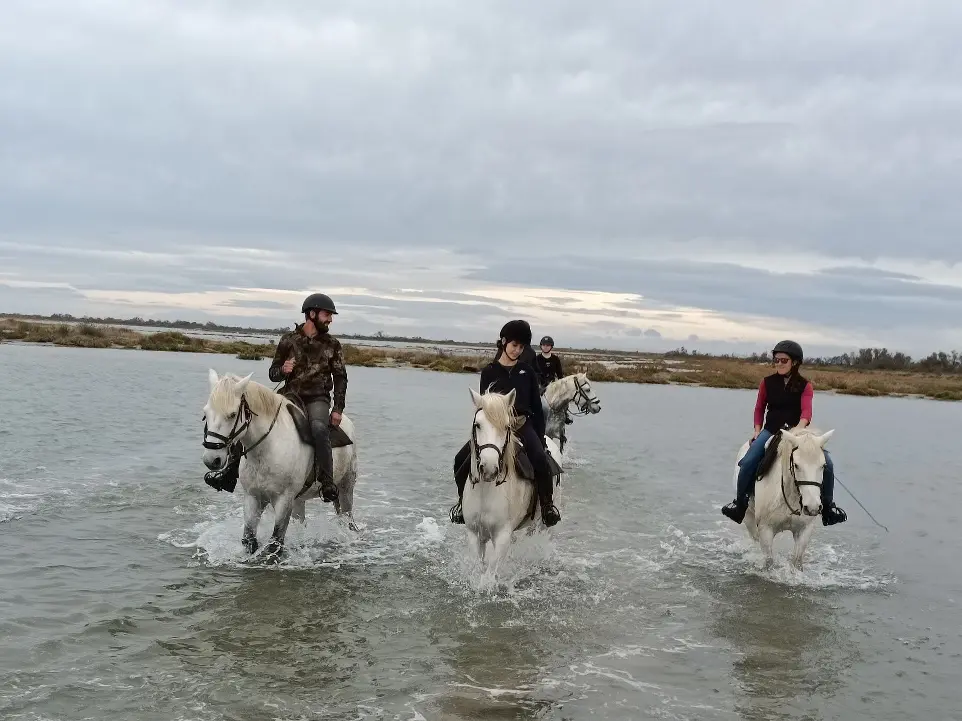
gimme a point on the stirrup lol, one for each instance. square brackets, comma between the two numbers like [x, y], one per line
[550, 515]
[455, 513]
[833, 514]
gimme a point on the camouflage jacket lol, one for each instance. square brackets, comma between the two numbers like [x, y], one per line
[318, 366]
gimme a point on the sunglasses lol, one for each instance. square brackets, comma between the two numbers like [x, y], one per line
[781, 361]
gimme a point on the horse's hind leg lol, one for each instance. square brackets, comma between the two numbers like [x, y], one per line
[345, 494]
[253, 508]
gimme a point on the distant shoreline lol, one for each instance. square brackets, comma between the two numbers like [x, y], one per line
[602, 366]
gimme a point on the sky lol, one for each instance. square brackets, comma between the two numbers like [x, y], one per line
[622, 173]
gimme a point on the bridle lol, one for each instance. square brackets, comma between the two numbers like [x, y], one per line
[581, 393]
[798, 484]
[231, 441]
[476, 455]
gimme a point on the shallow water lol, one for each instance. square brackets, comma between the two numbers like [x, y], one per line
[124, 593]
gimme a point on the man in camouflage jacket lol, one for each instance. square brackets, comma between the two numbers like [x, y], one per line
[311, 362]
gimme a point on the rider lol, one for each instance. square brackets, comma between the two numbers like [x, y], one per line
[311, 362]
[788, 398]
[548, 365]
[501, 376]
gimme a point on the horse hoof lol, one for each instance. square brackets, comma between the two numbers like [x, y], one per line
[353, 527]
[273, 551]
[250, 545]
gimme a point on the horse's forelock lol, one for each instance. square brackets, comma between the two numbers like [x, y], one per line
[808, 444]
[498, 411]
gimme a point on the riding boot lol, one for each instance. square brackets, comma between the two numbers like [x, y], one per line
[549, 512]
[737, 509]
[324, 469]
[831, 514]
[462, 469]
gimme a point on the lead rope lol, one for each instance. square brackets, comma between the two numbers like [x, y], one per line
[860, 504]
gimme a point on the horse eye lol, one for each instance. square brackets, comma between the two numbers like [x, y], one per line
[231, 416]
[477, 425]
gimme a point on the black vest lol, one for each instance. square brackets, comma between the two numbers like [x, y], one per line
[784, 402]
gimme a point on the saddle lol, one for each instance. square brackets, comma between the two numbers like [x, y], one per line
[771, 453]
[462, 465]
[339, 438]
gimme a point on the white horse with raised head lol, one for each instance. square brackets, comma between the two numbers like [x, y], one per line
[248, 422]
[497, 501]
[788, 496]
[559, 395]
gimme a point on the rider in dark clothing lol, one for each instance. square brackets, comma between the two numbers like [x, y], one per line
[502, 376]
[547, 364]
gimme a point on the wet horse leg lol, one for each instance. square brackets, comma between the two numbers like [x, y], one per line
[253, 508]
[282, 517]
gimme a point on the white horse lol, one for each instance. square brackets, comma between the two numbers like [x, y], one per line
[788, 496]
[559, 395]
[496, 500]
[253, 422]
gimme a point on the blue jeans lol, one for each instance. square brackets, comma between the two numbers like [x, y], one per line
[748, 467]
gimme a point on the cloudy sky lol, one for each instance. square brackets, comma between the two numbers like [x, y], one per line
[622, 173]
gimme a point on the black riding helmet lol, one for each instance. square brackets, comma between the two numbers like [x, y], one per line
[790, 348]
[318, 301]
[547, 340]
[518, 331]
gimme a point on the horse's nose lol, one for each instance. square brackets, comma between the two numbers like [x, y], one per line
[213, 463]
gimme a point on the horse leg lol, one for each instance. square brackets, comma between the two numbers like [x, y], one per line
[282, 517]
[750, 523]
[300, 512]
[766, 537]
[253, 508]
[500, 542]
[345, 494]
[802, 538]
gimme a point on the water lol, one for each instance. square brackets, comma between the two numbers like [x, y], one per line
[124, 593]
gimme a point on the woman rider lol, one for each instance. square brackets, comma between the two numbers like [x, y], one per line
[787, 395]
[501, 376]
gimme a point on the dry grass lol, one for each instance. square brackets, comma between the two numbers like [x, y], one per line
[712, 372]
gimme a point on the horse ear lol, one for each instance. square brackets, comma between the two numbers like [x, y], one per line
[242, 383]
[823, 439]
[793, 439]
[511, 395]
[212, 378]
[476, 397]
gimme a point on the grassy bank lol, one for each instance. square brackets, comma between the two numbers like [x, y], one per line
[600, 366]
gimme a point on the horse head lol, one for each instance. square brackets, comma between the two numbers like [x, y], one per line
[227, 417]
[806, 464]
[584, 397]
[492, 434]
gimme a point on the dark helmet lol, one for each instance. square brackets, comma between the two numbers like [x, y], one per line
[790, 348]
[547, 340]
[318, 301]
[517, 330]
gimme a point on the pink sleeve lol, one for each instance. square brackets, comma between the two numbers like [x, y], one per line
[807, 396]
[760, 404]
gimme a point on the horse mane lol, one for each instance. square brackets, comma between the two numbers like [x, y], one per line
[554, 393]
[261, 399]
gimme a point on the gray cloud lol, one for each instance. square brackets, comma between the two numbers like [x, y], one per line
[625, 147]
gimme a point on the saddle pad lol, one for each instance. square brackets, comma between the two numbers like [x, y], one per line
[339, 438]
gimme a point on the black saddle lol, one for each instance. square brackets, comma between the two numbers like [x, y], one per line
[771, 453]
[339, 438]
[462, 465]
